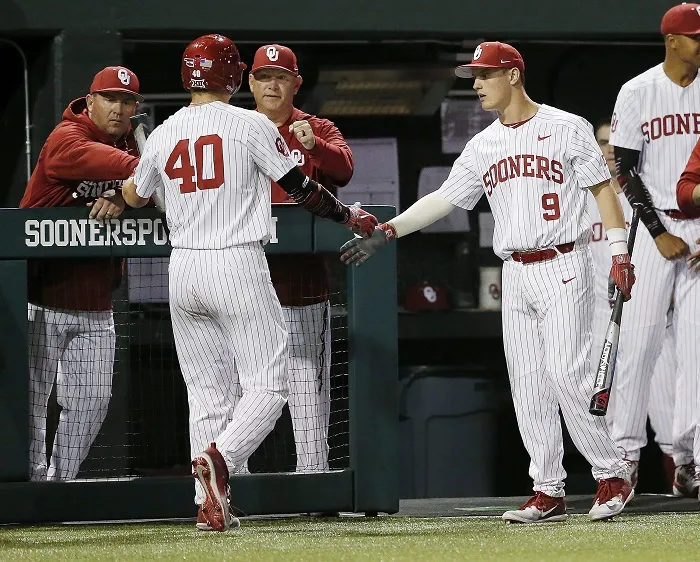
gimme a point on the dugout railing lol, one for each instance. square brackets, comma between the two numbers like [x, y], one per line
[369, 484]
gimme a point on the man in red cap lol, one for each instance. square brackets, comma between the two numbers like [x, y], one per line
[301, 282]
[71, 327]
[655, 125]
[535, 164]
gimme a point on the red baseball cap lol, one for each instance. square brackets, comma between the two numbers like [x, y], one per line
[426, 296]
[491, 54]
[275, 56]
[116, 79]
[682, 20]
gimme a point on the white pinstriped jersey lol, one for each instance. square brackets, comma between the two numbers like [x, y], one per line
[534, 176]
[660, 119]
[215, 162]
[600, 248]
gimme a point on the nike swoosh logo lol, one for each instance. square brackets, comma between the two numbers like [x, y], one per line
[504, 61]
[545, 513]
[539, 138]
[567, 280]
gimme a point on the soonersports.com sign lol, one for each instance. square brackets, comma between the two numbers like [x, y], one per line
[90, 232]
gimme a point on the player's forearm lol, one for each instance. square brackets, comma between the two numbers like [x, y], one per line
[626, 161]
[609, 206]
[313, 196]
[612, 217]
[422, 213]
[130, 196]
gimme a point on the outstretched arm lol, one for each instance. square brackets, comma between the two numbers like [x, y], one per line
[422, 213]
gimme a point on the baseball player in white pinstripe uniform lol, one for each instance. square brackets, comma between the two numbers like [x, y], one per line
[214, 163]
[663, 383]
[655, 126]
[535, 163]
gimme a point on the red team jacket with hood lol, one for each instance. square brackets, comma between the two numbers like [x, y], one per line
[302, 279]
[77, 164]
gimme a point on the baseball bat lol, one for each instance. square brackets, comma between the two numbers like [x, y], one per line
[606, 365]
[139, 123]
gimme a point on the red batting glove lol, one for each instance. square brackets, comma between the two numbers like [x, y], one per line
[361, 222]
[622, 272]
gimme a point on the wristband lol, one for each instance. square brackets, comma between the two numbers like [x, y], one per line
[389, 230]
[617, 239]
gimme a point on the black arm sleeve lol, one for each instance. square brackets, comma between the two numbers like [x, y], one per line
[313, 196]
[626, 162]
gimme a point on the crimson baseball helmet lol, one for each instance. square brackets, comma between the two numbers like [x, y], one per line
[212, 62]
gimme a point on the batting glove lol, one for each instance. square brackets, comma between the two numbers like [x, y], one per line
[360, 221]
[358, 250]
[622, 272]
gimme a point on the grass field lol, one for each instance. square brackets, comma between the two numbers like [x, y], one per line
[633, 537]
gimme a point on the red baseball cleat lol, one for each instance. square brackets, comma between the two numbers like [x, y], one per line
[210, 469]
[203, 524]
[610, 498]
[540, 508]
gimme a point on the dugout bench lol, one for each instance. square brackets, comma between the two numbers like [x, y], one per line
[369, 485]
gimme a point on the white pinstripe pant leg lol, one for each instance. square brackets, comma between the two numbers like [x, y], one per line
[83, 390]
[534, 399]
[309, 382]
[227, 323]
[662, 394]
[46, 342]
[641, 336]
[686, 317]
[566, 310]
[261, 348]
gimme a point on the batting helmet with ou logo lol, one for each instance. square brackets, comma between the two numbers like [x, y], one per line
[212, 62]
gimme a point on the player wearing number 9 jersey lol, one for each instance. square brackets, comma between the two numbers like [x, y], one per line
[214, 163]
[536, 163]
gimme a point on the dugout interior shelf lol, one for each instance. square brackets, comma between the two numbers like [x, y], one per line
[455, 324]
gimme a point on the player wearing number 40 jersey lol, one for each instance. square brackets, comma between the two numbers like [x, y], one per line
[214, 163]
[536, 163]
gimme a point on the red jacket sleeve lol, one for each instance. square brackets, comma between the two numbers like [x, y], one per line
[689, 179]
[72, 155]
[332, 155]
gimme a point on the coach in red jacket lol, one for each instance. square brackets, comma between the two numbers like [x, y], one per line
[301, 281]
[71, 327]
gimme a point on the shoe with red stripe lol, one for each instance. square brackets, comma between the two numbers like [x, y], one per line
[540, 508]
[610, 499]
[209, 467]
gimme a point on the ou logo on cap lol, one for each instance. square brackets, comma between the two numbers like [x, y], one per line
[477, 53]
[430, 294]
[124, 76]
[272, 53]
